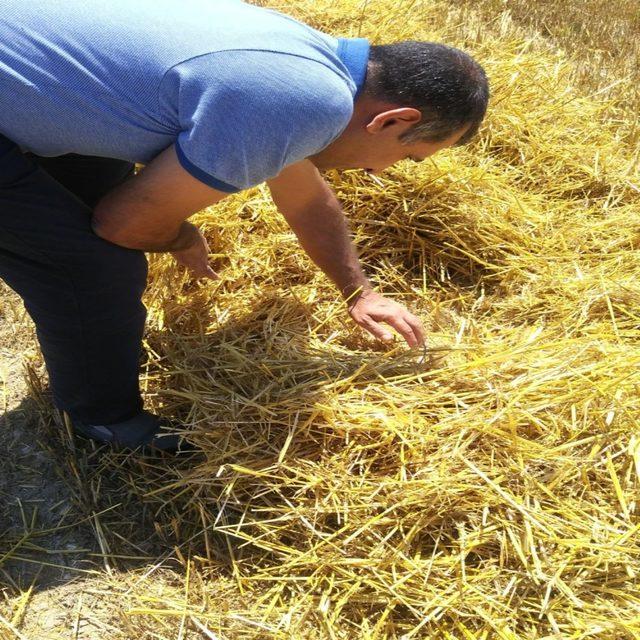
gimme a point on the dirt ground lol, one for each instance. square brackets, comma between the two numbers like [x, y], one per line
[49, 531]
[35, 499]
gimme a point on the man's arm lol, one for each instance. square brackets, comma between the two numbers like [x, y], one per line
[148, 212]
[315, 216]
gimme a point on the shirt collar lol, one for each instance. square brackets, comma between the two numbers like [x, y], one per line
[354, 53]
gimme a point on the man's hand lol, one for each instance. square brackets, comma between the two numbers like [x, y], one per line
[370, 308]
[195, 256]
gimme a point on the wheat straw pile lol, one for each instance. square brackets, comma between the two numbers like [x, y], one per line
[484, 488]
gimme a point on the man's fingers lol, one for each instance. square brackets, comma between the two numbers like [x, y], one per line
[418, 330]
[375, 329]
[404, 329]
[207, 272]
[413, 336]
[210, 273]
[372, 309]
[202, 271]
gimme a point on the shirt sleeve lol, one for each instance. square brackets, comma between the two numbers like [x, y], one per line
[244, 115]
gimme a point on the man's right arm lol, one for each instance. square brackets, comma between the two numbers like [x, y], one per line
[148, 212]
[315, 216]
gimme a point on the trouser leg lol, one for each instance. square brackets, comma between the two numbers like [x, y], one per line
[82, 292]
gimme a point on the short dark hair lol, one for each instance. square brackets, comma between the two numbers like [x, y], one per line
[447, 86]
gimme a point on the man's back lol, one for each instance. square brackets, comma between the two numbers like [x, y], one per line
[126, 80]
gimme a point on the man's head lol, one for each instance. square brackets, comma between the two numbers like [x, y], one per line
[418, 98]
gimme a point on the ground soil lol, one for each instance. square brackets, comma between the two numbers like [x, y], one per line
[43, 547]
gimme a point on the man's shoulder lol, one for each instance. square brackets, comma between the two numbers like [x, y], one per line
[275, 80]
[250, 115]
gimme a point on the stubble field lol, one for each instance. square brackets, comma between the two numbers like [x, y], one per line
[485, 488]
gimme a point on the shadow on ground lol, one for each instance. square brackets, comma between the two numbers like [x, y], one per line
[69, 507]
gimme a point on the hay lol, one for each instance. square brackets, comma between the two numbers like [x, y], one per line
[484, 488]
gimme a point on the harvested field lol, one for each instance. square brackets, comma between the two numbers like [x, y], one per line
[486, 487]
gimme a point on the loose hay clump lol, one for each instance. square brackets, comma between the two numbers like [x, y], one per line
[487, 488]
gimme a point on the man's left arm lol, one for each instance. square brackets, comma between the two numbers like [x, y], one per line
[314, 214]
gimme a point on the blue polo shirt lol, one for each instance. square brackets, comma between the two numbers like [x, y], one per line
[241, 91]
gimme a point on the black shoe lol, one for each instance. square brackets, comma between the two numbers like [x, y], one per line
[141, 431]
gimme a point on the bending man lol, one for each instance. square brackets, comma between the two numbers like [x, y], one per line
[214, 98]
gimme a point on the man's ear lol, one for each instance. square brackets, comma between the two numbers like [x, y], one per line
[402, 117]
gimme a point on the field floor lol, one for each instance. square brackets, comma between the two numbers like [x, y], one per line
[34, 496]
[53, 544]
[486, 488]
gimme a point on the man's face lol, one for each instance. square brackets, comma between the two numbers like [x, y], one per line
[376, 146]
[381, 156]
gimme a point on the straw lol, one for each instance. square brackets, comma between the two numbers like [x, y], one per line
[486, 487]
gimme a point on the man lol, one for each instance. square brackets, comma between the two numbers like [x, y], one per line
[213, 96]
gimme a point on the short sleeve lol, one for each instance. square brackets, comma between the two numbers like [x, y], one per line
[244, 115]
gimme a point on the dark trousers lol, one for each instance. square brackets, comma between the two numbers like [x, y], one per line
[82, 292]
